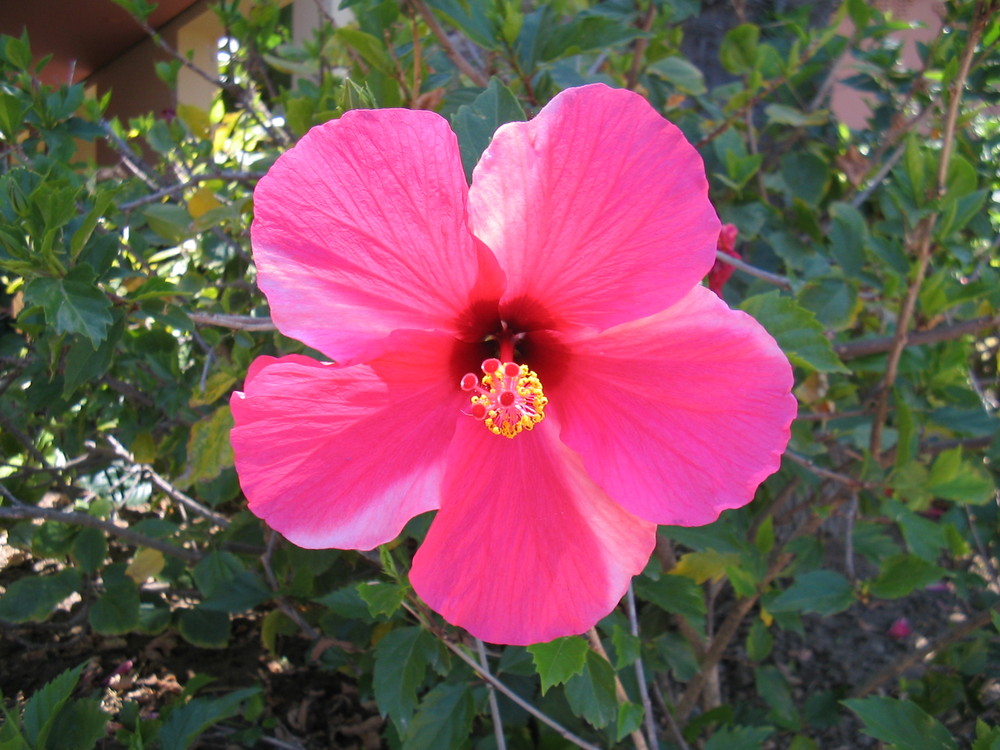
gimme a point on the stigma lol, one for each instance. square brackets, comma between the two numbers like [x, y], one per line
[508, 399]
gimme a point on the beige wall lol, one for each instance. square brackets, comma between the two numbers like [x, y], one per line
[849, 105]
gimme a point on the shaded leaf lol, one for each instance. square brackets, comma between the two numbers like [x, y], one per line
[796, 330]
[825, 592]
[475, 123]
[35, 597]
[444, 719]
[901, 723]
[591, 694]
[400, 664]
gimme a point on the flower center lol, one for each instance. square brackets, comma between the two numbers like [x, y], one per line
[508, 399]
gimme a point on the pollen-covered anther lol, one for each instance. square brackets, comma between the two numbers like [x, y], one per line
[508, 399]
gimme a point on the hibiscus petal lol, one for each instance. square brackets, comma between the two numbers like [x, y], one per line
[597, 210]
[343, 457]
[360, 230]
[525, 547]
[681, 415]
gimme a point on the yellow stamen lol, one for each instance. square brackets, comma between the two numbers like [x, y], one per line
[508, 400]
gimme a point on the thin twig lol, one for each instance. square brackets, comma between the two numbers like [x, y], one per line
[494, 705]
[640, 672]
[595, 643]
[243, 94]
[132, 161]
[233, 322]
[852, 512]
[760, 273]
[486, 675]
[164, 486]
[824, 473]
[875, 181]
[283, 604]
[639, 50]
[731, 625]
[22, 511]
[228, 176]
[865, 347]
[449, 49]
[671, 721]
[24, 440]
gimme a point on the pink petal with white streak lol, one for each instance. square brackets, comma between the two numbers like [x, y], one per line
[360, 229]
[597, 210]
[334, 456]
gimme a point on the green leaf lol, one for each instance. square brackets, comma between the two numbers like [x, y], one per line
[987, 737]
[915, 164]
[782, 114]
[759, 641]
[860, 13]
[901, 723]
[475, 123]
[116, 611]
[676, 594]
[471, 19]
[738, 52]
[171, 222]
[629, 719]
[12, 111]
[953, 478]
[825, 592]
[346, 602]
[89, 223]
[627, 647]
[806, 177]
[739, 738]
[833, 300]
[848, 235]
[382, 598]
[703, 566]
[78, 726]
[901, 574]
[796, 330]
[85, 365]
[681, 74]
[34, 598]
[153, 619]
[591, 694]
[585, 32]
[187, 723]
[204, 627]
[90, 547]
[42, 710]
[371, 49]
[209, 450]
[444, 719]
[559, 660]
[400, 664]
[17, 50]
[226, 585]
[773, 688]
[73, 304]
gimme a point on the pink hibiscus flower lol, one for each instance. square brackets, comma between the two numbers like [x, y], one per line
[532, 357]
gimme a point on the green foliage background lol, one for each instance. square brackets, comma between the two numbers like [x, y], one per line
[870, 255]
